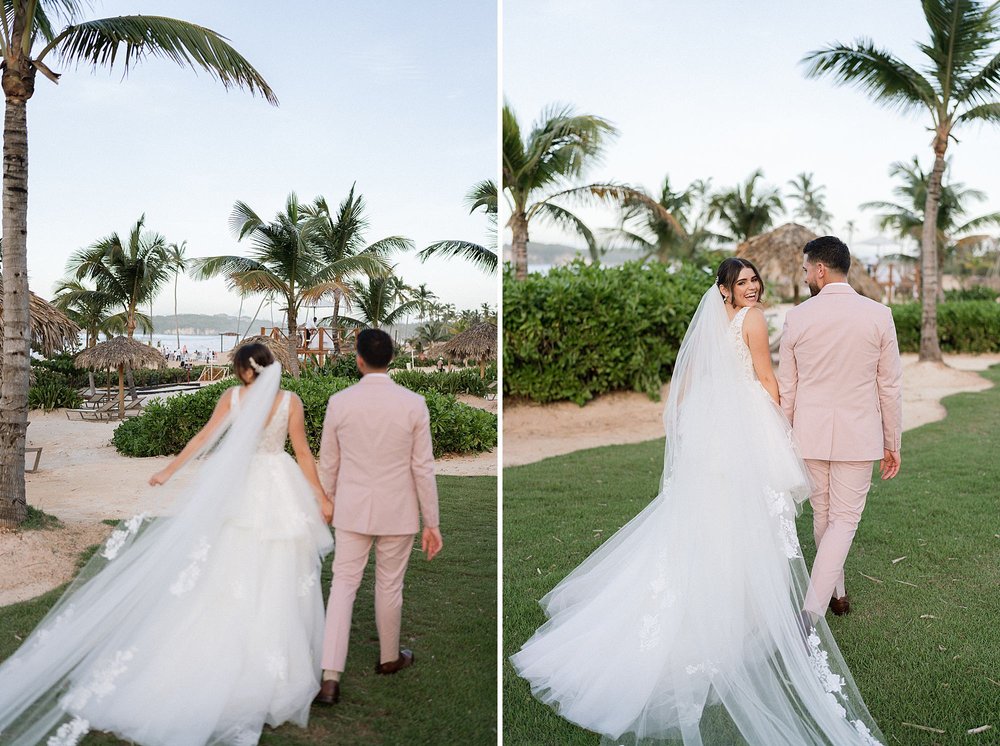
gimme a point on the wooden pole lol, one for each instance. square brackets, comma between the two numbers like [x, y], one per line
[121, 392]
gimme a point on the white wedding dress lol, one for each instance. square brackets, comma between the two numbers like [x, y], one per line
[197, 628]
[685, 626]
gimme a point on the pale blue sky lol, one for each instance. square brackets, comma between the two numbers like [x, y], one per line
[397, 96]
[713, 88]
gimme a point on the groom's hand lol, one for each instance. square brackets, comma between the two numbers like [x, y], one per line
[432, 542]
[889, 464]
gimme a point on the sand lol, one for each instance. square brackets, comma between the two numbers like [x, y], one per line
[83, 480]
[532, 432]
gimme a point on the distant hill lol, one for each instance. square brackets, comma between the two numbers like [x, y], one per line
[199, 323]
[553, 254]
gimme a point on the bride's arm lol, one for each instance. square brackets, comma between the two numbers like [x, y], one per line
[194, 445]
[304, 457]
[755, 333]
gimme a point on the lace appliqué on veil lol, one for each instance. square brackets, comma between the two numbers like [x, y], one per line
[43, 632]
[69, 734]
[121, 535]
[102, 681]
[833, 684]
[779, 505]
[190, 574]
[663, 598]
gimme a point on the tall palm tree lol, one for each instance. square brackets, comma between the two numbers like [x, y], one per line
[961, 85]
[484, 195]
[28, 37]
[540, 170]
[377, 302]
[431, 332]
[91, 309]
[283, 262]
[424, 299]
[906, 218]
[132, 272]
[176, 256]
[811, 201]
[340, 241]
[747, 209]
[684, 238]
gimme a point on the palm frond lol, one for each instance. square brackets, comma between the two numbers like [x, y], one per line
[203, 268]
[982, 113]
[100, 43]
[566, 220]
[480, 256]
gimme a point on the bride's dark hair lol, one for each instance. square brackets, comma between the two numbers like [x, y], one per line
[729, 272]
[255, 351]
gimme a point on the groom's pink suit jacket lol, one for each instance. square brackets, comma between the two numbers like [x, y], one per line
[841, 388]
[376, 459]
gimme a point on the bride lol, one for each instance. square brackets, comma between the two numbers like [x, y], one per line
[201, 626]
[687, 625]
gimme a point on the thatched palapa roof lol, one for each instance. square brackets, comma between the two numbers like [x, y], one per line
[51, 329]
[479, 342]
[778, 256]
[120, 351]
[278, 348]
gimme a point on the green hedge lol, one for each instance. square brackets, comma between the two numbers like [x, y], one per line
[51, 390]
[463, 381]
[582, 330]
[963, 326]
[62, 363]
[164, 428]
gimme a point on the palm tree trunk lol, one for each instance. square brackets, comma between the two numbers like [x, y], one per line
[335, 323]
[519, 246]
[121, 393]
[177, 323]
[14, 381]
[293, 340]
[930, 348]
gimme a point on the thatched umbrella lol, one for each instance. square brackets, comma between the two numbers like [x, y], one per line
[278, 349]
[778, 256]
[479, 342]
[51, 329]
[117, 353]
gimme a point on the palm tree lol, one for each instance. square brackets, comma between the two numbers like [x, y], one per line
[431, 332]
[557, 152]
[684, 238]
[378, 303]
[906, 218]
[132, 272]
[484, 195]
[283, 261]
[178, 263]
[340, 241]
[811, 202]
[424, 299]
[746, 209]
[91, 309]
[126, 39]
[961, 85]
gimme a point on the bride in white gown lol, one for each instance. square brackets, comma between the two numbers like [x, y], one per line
[686, 625]
[202, 626]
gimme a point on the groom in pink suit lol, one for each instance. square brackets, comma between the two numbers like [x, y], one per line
[377, 465]
[840, 380]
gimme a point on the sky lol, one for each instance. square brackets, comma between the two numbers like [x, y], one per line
[715, 89]
[395, 96]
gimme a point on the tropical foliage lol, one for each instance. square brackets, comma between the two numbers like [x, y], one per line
[810, 203]
[960, 85]
[747, 209]
[964, 325]
[483, 195]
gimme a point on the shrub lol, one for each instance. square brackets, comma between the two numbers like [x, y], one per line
[62, 363]
[963, 326]
[463, 381]
[52, 391]
[164, 428]
[976, 292]
[582, 330]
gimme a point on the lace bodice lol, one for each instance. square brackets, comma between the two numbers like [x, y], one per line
[740, 345]
[276, 431]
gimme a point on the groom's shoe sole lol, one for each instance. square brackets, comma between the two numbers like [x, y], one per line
[405, 660]
[329, 694]
[840, 606]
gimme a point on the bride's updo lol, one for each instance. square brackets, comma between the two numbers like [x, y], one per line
[252, 358]
[729, 272]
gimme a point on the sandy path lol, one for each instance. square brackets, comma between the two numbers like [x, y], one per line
[83, 480]
[532, 432]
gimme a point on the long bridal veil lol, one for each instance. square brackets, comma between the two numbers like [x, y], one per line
[684, 626]
[143, 572]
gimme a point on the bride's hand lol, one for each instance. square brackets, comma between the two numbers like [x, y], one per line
[160, 477]
[327, 507]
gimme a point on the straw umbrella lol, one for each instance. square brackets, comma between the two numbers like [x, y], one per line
[51, 329]
[479, 342]
[778, 256]
[278, 349]
[117, 353]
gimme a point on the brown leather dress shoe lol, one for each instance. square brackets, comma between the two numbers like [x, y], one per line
[405, 660]
[329, 693]
[840, 606]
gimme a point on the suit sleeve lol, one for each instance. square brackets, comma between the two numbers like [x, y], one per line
[788, 372]
[889, 380]
[422, 467]
[329, 453]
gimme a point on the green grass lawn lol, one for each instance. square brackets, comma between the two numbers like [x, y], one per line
[923, 641]
[449, 621]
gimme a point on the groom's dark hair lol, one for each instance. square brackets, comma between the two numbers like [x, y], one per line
[831, 251]
[375, 348]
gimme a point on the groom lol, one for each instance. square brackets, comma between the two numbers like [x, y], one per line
[376, 464]
[839, 377]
